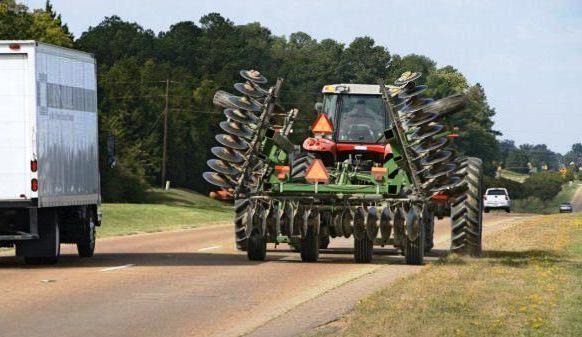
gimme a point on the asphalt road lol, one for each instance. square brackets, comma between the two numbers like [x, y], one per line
[193, 283]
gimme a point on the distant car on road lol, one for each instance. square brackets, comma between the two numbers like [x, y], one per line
[565, 207]
[496, 198]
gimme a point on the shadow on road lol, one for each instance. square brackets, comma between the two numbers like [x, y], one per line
[327, 256]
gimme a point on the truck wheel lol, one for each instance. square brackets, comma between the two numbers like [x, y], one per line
[86, 246]
[49, 240]
[257, 247]
[241, 220]
[310, 246]
[466, 212]
[363, 249]
[414, 249]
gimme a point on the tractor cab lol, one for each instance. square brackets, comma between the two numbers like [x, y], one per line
[356, 118]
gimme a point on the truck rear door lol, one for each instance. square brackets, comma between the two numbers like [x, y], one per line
[14, 161]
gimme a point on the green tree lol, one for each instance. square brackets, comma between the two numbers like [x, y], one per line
[364, 62]
[18, 23]
[517, 161]
[574, 156]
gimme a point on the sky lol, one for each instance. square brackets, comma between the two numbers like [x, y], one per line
[526, 54]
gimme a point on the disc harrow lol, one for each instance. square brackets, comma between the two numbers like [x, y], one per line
[380, 193]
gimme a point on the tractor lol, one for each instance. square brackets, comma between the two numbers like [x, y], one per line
[380, 166]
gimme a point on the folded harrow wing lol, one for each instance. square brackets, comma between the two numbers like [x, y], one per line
[379, 167]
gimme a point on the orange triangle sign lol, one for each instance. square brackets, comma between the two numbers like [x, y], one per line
[322, 125]
[316, 173]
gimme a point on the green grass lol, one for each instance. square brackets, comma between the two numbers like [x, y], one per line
[529, 283]
[534, 205]
[164, 210]
[518, 177]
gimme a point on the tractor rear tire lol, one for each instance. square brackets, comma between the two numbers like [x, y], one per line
[467, 211]
[241, 220]
[414, 249]
[300, 164]
[257, 247]
[310, 246]
[363, 249]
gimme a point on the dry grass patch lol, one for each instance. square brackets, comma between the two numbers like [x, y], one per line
[527, 284]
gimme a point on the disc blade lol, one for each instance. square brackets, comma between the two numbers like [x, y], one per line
[421, 119]
[240, 116]
[440, 170]
[426, 131]
[217, 179]
[236, 129]
[253, 76]
[249, 89]
[223, 167]
[244, 103]
[419, 104]
[439, 157]
[231, 141]
[226, 100]
[431, 145]
[229, 155]
[447, 183]
[417, 90]
[407, 77]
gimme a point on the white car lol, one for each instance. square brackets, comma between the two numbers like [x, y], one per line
[496, 198]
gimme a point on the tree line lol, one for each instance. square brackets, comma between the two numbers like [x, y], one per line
[138, 69]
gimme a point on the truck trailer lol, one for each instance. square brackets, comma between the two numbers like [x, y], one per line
[49, 157]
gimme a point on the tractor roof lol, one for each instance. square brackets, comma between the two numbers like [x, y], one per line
[359, 89]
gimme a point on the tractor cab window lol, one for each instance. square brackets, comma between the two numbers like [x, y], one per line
[329, 107]
[362, 118]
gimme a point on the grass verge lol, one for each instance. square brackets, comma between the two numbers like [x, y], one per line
[535, 205]
[529, 283]
[165, 210]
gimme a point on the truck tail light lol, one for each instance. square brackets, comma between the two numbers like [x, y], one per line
[14, 46]
[34, 185]
[33, 165]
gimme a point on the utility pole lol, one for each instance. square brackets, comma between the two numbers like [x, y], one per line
[165, 149]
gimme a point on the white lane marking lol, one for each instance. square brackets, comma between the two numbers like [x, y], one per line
[118, 267]
[208, 248]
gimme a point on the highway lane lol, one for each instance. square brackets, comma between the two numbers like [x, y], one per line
[188, 283]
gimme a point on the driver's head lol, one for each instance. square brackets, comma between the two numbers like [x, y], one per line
[360, 105]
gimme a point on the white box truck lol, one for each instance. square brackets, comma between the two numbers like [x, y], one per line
[49, 157]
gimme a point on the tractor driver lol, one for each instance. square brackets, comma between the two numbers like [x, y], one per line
[360, 123]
